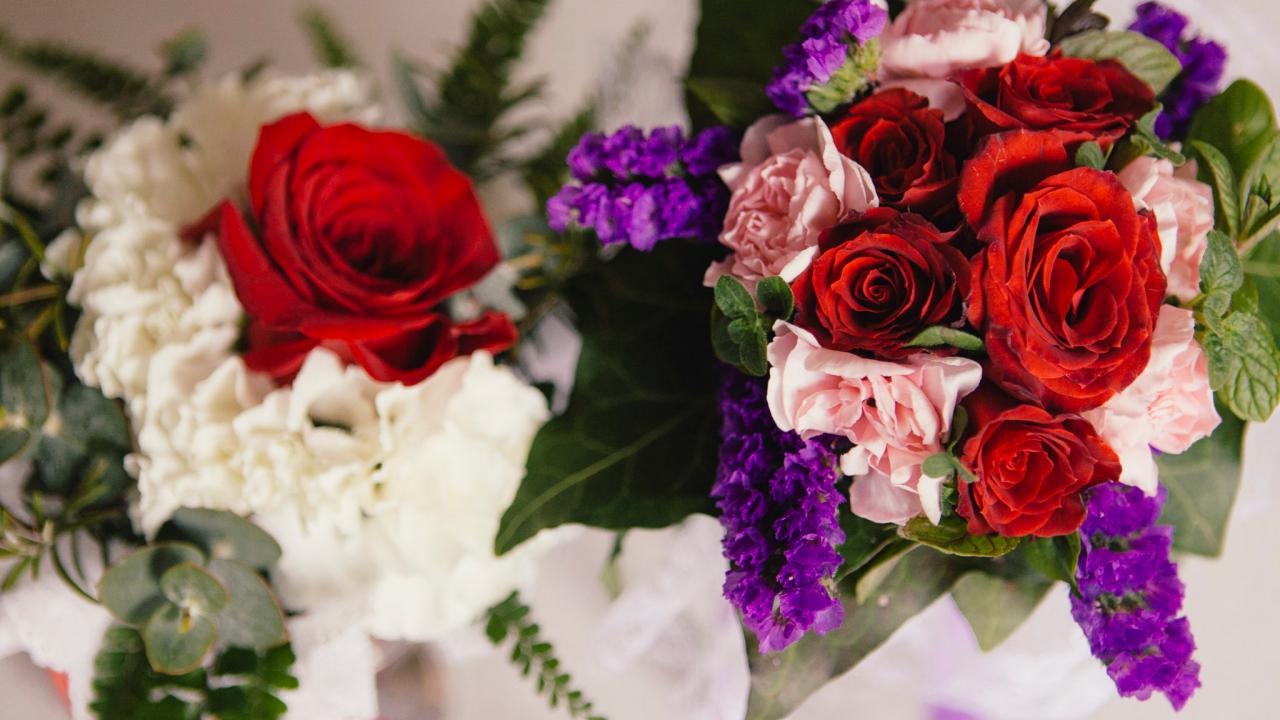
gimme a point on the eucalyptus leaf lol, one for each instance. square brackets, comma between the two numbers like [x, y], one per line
[130, 589]
[193, 589]
[997, 606]
[225, 535]
[1202, 484]
[176, 641]
[939, 335]
[24, 393]
[252, 617]
[1150, 61]
[781, 681]
[952, 536]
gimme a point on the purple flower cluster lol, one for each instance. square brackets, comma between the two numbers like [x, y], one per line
[779, 506]
[1130, 596]
[824, 50]
[640, 188]
[1203, 63]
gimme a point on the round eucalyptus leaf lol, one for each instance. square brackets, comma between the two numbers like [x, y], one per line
[252, 617]
[191, 587]
[13, 441]
[131, 591]
[24, 386]
[176, 641]
[226, 536]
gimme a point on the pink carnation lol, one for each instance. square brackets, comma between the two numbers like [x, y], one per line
[1184, 211]
[898, 414]
[1169, 407]
[791, 185]
[931, 40]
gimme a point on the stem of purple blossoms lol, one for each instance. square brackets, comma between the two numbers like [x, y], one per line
[828, 34]
[1203, 64]
[1130, 596]
[779, 506]
[639, 188]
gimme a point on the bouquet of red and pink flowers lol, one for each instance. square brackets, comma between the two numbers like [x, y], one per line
[981, 313]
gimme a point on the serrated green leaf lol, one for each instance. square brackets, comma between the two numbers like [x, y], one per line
[952, 536]
[224, 535]
[1222, 178]
[637, 446]
[939, 335]
[1202, 484]
[775, 296]
[1150, 61]
[1244, 365]
[252, 618]
[781, 681]
[176, 641]
[997, 606]
[1220, 270]
[193, 589]
[1090, 155]
[1056, 558]
[130, 589]
[733, 299]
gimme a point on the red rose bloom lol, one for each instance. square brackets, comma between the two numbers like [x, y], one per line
[357, 237]
[901, 142]
[1076, 99]
[1069, 285]
[1031, 467]
[878, 280]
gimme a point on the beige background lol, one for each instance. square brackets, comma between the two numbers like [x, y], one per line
[1231, 602]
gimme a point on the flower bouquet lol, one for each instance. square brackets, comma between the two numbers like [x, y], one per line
[982, 280]
[263, 401]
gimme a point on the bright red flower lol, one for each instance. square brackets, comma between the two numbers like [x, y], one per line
[1076, 99]
[1032, 468]
[357, 237]
[1069, 285]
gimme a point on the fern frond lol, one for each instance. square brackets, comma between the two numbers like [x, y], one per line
[329, 46]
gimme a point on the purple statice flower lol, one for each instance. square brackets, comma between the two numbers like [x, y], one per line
[710, 149]
[829, 34]
[1130, 596]
[779, 506]
[640, 188]
[1203, 64]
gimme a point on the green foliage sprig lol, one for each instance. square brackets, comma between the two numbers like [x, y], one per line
[330, 48]
[535, 656]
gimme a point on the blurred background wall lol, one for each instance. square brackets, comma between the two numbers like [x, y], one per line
[1231, 602]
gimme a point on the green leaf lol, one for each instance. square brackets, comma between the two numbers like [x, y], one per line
[733, 298]
[996, 606]
[1220, 270]
[775, 296]
[225, 535]
[545, 172]
[1244, 366]
[1076, 18]
[863, 540]
[731, 101]
[939, 335]
[781, 681]
[24, 395]
[952, 536]
[1056, 558]
[637, 446]
[726, 350]
[1202, 484]
[741, 40]
[193, 589]
[1239, 122]
[126, 688]
[130, 589]
[185, 52]
[327, 44]
[939, 465]
[252, 618]
[1090, 155]
[754, 351]
[176, 641]
[127, 91]
[1144, 132]
[1223, 179]
[1263, 267]
[1150, 61]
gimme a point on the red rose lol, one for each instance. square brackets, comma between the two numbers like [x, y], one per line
[1031, 468]
[1076, 99]
[1069, 285]
[357, 237]
[902, 143]
[878, 280]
